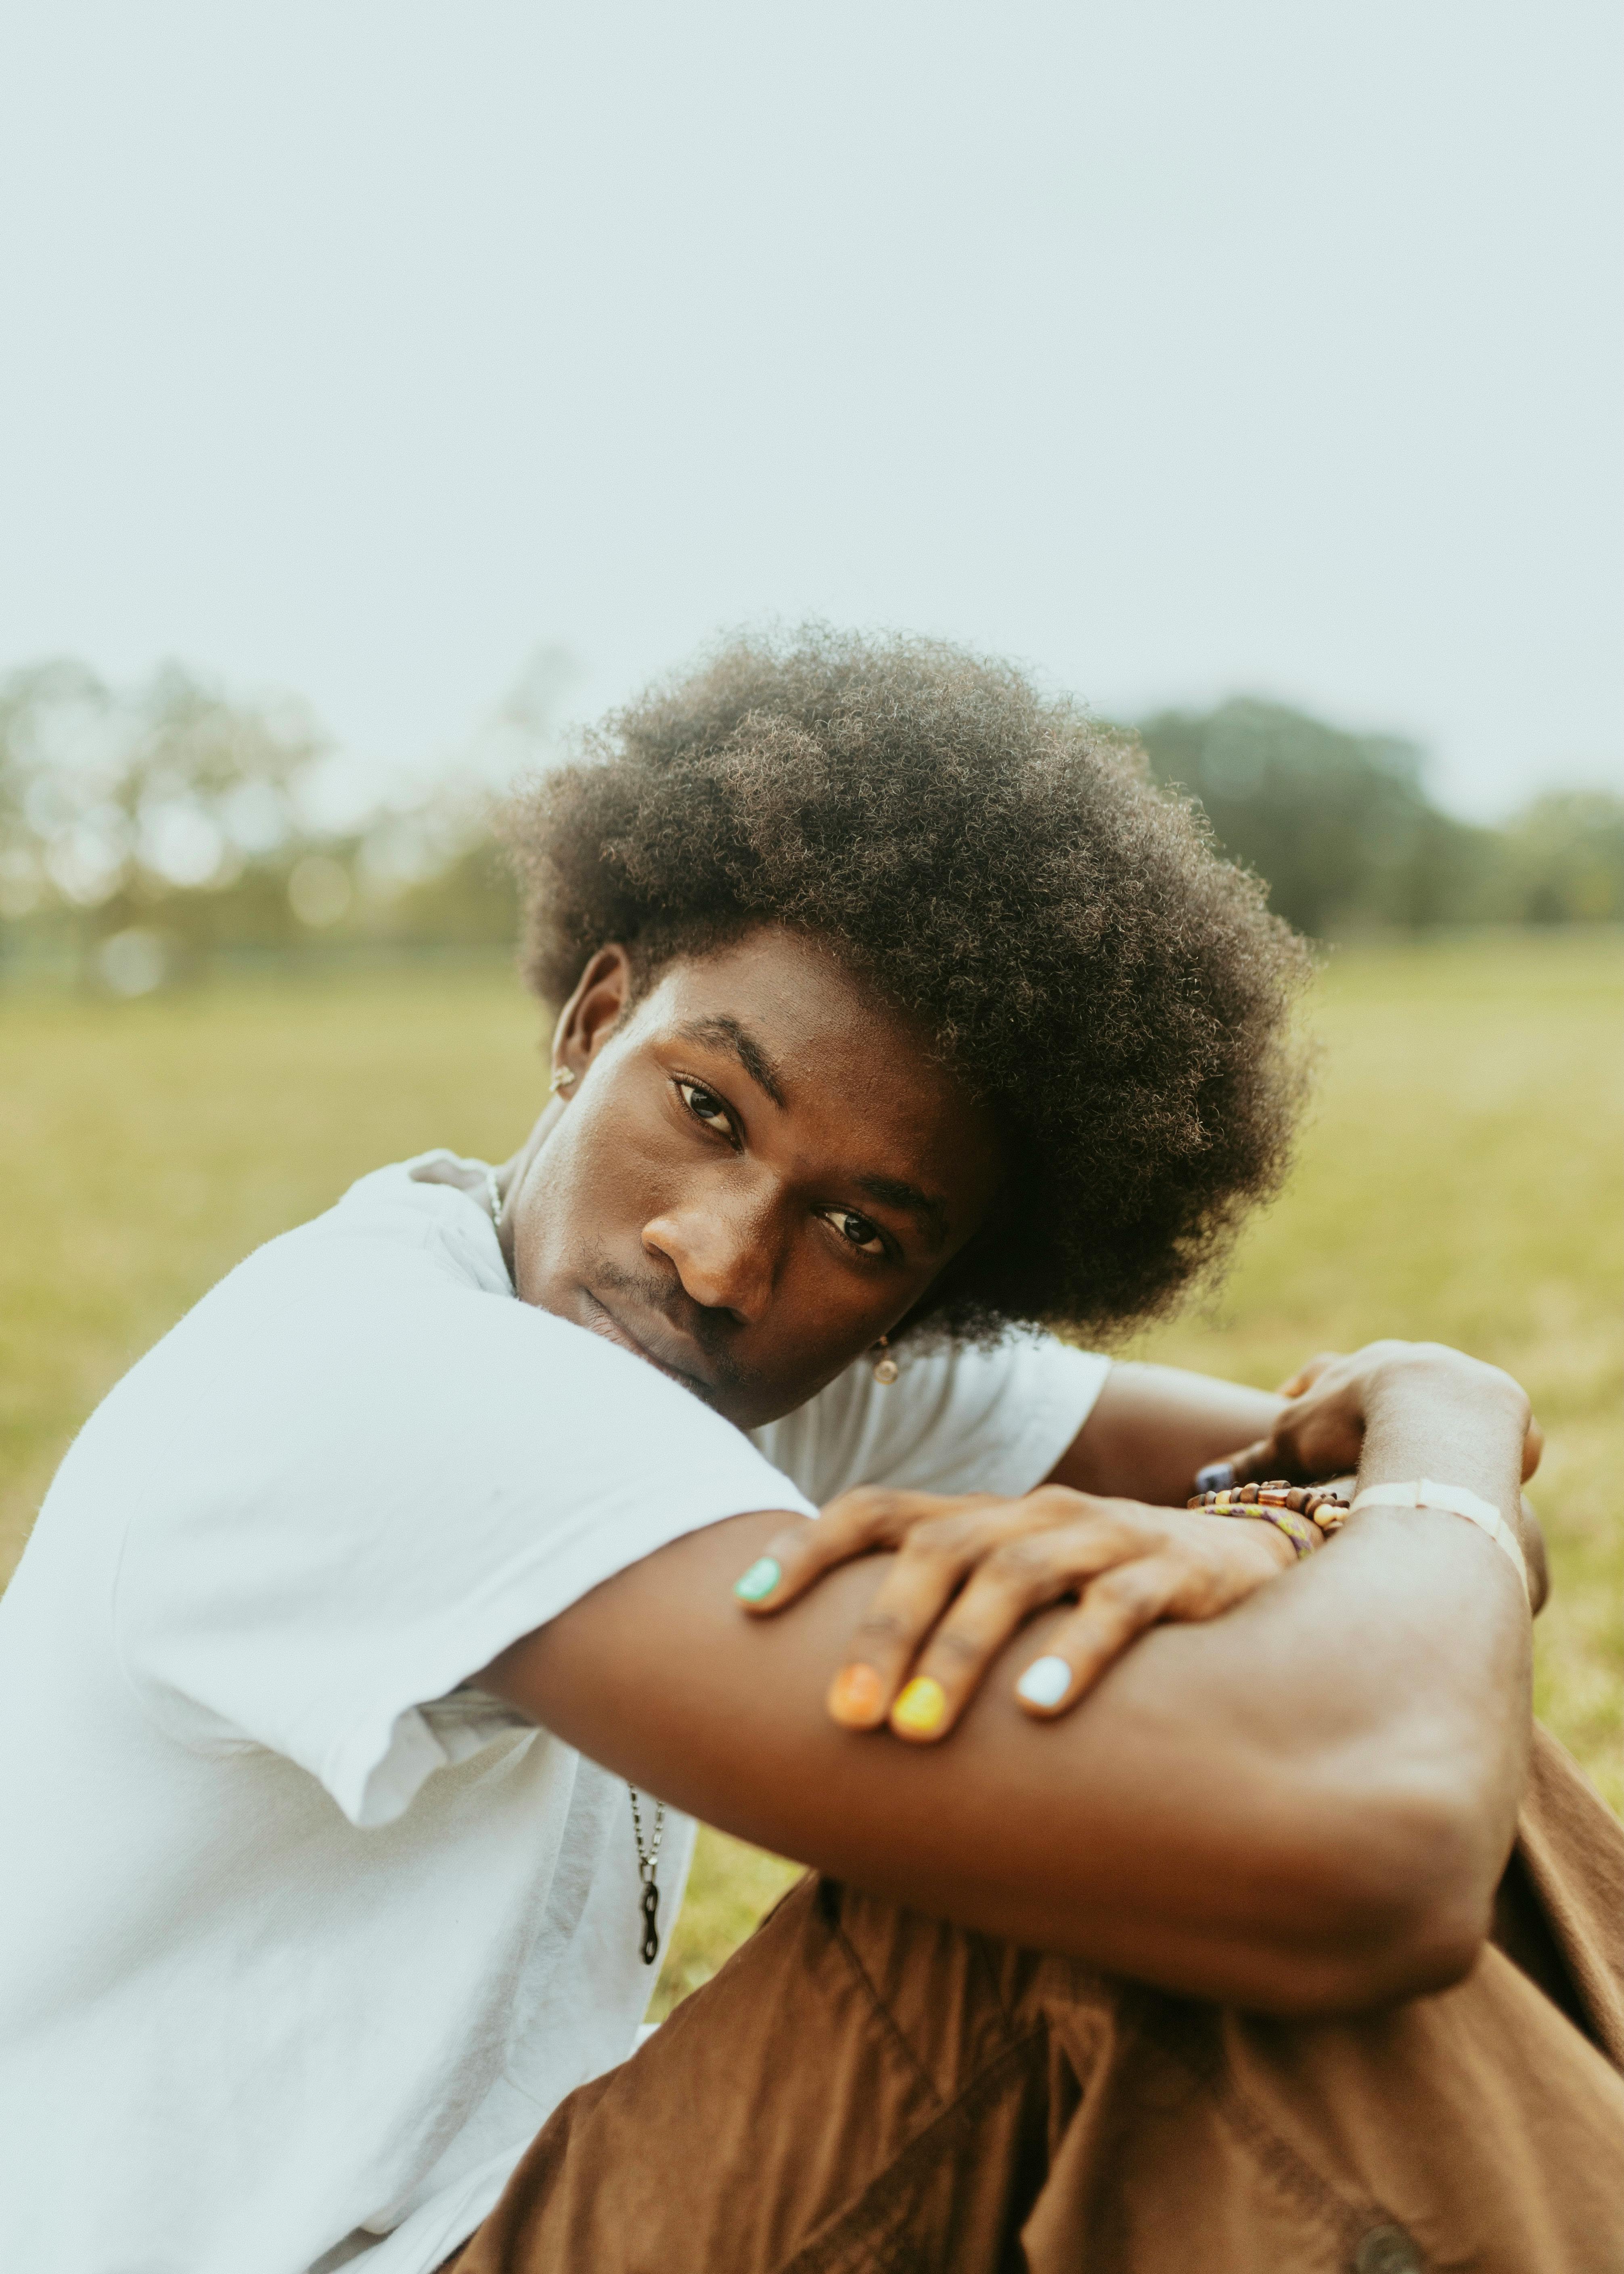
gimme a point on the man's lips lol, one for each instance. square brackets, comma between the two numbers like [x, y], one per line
[603, 1321]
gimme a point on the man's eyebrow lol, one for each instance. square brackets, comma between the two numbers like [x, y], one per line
[892, 1191]
[719, 1028]
[895, 1191]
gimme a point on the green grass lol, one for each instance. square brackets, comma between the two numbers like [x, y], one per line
[1461, 1178]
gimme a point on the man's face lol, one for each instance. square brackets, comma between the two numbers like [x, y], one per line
[755, 1174]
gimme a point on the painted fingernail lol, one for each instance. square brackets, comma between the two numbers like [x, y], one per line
[1217, 1476]
[762, 1578]
[918, 1713]
[1045, 1681]
[857, 1698]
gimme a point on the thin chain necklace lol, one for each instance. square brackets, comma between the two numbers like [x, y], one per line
[648, 1857]
[648, 1862]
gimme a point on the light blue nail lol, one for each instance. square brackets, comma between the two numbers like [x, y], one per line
[762, 1578]
[1045, 1681]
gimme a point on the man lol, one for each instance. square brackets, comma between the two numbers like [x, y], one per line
[899, 1019]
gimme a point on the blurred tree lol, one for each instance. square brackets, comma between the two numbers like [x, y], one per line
[1338, 823]
[145, 829]
[141, 831]
[1562, 860]
[114, 807]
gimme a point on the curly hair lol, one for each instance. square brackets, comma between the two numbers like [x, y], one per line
[998, 868]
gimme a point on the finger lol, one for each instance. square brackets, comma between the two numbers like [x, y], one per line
[1533, 1450]
[1023, 1575]
[1116, 1610]
[856, 1523]
[1321, 1438]
[930, 1567]
[1305, 1376]
[1252, 1466]
[1019, 1553]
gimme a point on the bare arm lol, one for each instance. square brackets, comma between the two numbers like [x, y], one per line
[1153, 1426]
[1304, 1807]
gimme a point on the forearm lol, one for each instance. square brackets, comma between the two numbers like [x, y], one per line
[1153, 1426]
[1303, 1805]
[1526, 1525]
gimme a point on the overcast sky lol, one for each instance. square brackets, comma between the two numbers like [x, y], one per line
[1177, 346]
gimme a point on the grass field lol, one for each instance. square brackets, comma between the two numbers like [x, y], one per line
[1461, 1177]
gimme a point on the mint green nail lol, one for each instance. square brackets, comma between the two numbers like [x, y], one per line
[762, 1578]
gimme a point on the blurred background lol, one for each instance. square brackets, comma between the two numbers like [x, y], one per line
[389, 390]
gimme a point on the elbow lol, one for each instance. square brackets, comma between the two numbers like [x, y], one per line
[1413, 1953]
[1404, 1907]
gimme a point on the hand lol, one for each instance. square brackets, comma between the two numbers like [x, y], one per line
[1322, 1432]
[970, 1572]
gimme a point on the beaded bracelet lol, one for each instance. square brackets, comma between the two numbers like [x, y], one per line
[1307, 1514]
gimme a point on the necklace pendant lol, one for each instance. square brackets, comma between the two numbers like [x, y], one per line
[650, 1930]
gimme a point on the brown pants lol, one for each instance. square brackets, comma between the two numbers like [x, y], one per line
[861, 2087]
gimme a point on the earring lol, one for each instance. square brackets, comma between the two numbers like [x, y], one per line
[885, 1367]
[563, 1078]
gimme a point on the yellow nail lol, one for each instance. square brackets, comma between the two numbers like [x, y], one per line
[857, 1698]
[918, 1713]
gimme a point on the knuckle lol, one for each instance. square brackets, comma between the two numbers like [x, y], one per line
[882, 1626]
[845, 1514]
[1017, 1562]
[952, 1643]
[939, 1539]
[1127, 1587]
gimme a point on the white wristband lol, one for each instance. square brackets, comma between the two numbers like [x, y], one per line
[1455, 1498]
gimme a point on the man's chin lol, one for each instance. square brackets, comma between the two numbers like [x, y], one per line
[748, 1402]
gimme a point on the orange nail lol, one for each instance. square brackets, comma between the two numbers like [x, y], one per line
[857, 1698]
[920, 1710]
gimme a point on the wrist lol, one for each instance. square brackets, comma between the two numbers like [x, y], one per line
[1440, 1377]
[1270, 1537]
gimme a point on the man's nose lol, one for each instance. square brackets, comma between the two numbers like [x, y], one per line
[723, 1254]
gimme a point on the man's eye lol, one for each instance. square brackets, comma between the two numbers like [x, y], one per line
[856, 1229]
[706, 1106]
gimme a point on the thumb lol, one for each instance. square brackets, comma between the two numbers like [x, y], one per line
[1533, 1446]
[1305, 1376]
[1252, 1466]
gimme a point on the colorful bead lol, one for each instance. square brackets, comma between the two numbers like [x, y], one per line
[1306, 1518]
[1298, 1530]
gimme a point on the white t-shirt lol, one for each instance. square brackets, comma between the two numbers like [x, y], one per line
[300, 1942]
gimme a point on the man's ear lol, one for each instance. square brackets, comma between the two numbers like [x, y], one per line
[602, 993]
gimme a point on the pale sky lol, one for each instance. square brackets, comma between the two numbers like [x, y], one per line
[1176, 347]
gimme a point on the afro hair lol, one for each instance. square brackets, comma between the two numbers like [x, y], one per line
[999, 868]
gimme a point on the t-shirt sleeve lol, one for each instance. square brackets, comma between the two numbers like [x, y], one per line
[959, 1418]
[355, 1473]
